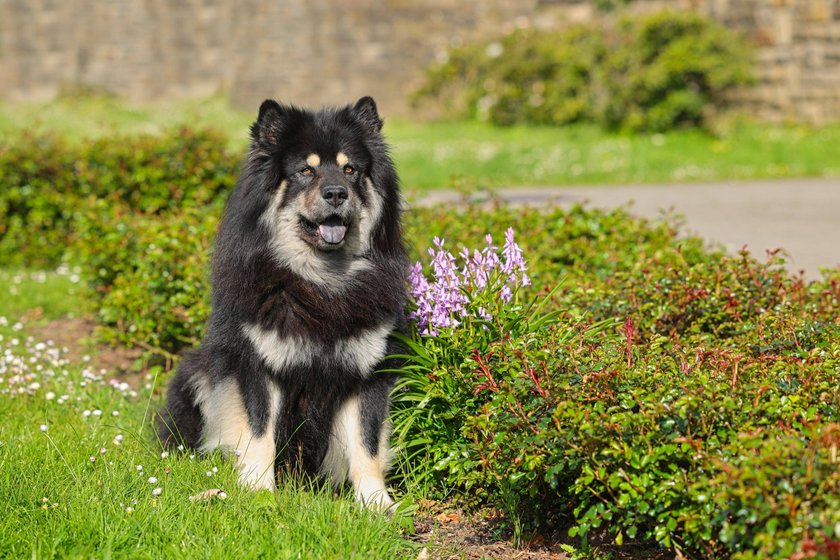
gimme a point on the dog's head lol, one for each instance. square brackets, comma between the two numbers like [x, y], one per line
[331, 184]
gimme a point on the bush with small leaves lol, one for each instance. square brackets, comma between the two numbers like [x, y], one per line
[669, 395]
[654, 73]
[52, 189]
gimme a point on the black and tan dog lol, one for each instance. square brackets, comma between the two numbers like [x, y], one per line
[308, 283]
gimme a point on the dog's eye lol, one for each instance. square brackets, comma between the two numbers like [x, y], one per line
[306, 171]
[349, 169]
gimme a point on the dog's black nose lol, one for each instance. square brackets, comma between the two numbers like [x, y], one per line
[334, 194]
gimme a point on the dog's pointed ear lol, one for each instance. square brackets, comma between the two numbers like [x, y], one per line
[268, 128]
[366, 113]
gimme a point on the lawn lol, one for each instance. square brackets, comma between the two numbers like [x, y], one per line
[446, 154]
[81, 474]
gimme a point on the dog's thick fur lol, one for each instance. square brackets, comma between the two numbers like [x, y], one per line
[308, 283]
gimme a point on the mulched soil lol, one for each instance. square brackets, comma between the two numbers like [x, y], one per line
[453, 535]
[76, 334]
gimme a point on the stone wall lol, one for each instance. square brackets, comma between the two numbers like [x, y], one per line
[304, 51]
[330, 51]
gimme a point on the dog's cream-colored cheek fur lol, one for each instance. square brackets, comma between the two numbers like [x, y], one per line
[282, 225]
[292, 252]
[347, 458]
[370, 215]
[226, 427]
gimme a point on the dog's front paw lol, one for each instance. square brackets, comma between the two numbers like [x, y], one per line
[257, 476]
[372, 494]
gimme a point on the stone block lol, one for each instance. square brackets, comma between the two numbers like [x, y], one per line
[783, 27]
[818, 10]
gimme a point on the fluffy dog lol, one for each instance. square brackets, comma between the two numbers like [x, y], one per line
[308, 283]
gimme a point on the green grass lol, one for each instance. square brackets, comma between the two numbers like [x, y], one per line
[77, 457]
[431, 155]
[40, 295]
[89, 116]
[72, 491]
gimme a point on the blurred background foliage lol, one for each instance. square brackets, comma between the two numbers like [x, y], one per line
[663, 71]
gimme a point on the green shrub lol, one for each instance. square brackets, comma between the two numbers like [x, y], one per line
[659, 72]
[526, 77]
[717, 437]
[673, 294]
[675, 67]
[149, 276]
[577, 242]
[50, 187]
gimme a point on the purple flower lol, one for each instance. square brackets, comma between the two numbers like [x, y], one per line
[491, 258]
[446, 299]
[420, 288]
[513, 255]
[506, 294]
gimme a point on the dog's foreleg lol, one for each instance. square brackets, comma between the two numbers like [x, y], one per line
[227, 427]
[351, 456]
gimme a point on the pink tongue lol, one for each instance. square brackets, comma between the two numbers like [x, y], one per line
[332, 234]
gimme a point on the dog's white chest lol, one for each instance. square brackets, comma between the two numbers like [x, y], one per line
[282, 353]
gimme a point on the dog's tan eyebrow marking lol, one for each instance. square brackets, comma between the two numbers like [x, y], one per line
[342, 159]
[313, 160]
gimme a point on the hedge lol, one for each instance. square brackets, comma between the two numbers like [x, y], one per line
[653, 73]
[52, 189]
[715, 434]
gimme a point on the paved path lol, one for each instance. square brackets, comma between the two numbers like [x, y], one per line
[801, 216]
